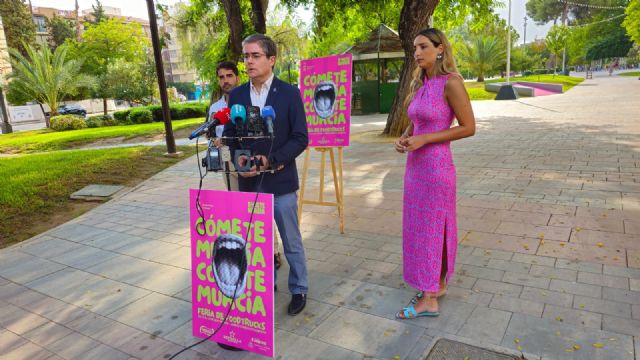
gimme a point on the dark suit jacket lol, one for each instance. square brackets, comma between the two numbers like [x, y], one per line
[290, 137]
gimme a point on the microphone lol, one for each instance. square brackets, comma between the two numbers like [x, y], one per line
[238, 117]
[254, 123]
[221, 117]
[268, 115]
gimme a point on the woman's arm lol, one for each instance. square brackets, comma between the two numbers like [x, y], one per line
[457, 97]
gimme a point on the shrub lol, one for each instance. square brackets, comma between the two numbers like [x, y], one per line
[121, 115]
[140, 116]
[112, 122]
[67, 122]
[97, 121]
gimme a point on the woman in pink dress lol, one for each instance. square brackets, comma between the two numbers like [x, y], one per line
[429, 211]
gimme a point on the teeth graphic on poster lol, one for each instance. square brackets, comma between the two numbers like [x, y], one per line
[232, 268]
[230, 265]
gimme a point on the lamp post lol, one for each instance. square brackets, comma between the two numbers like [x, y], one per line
[509, 44]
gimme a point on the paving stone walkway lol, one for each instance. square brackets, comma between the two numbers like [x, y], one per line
[548, 262]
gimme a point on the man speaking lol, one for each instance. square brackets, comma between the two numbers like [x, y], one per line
[290, 140]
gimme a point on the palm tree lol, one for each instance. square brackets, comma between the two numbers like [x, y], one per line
[46, 77]
[482, 55]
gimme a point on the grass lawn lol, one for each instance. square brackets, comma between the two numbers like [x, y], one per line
[47, 140]
[35, 188]
[632, 73]
[567, 81]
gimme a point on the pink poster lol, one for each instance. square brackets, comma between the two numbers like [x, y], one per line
[325, 85]
[228, 262]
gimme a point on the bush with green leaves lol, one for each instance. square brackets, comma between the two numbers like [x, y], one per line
[121, 115]
[67, 122]
[98, 120]
[140, 116]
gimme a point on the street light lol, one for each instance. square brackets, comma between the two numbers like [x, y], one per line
[507, 91]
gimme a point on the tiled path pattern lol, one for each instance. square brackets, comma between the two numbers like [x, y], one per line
[548, 262]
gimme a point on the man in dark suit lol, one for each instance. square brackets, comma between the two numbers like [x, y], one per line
[290, 140]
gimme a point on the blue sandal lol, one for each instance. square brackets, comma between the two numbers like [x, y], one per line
[410, 313]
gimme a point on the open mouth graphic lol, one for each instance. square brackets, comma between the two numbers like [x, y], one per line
[230, 265]
[324, 98]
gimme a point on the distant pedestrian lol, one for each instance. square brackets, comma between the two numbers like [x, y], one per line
[429, 228]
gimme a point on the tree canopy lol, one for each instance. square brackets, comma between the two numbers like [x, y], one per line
[60, 29]
[632, 20]
[19, 27]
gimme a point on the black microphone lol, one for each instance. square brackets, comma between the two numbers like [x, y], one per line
[254, 122]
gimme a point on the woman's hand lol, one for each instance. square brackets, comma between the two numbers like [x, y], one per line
[413, 143]
[399, 144]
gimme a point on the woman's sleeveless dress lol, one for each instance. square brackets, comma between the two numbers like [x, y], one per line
[429, 213]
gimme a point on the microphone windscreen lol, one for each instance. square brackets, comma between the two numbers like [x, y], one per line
[238, 114]
[268, 111]
[223, 115]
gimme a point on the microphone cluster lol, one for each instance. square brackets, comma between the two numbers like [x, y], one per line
[248, 122]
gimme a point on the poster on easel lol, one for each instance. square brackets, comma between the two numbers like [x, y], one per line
[231, 259]
[325, 86]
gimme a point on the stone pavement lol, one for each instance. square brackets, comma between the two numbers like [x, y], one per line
[548, 262]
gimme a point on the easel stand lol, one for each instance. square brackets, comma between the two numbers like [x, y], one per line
[338, 182]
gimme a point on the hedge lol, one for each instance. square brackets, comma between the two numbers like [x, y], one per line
[140, 116]
[67, 122]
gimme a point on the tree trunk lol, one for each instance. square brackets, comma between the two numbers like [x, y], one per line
[414, 17]
[258, 15]
[236, 26]
[480, 78]
[104, 105]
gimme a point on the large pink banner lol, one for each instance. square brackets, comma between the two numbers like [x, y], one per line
[325, 85]
[222, 271]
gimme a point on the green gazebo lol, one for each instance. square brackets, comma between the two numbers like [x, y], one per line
[377, 64]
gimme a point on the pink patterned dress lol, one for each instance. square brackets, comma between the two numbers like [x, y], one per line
[429, 211]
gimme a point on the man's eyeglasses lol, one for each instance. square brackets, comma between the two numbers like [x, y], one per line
[254, 56]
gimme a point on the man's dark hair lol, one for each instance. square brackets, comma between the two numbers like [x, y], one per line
[268, 46]
[227, 65]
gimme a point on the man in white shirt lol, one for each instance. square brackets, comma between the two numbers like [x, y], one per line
[227, 80]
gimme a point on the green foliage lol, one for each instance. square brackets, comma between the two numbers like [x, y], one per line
[99, 120]
[97, 15]
[614, 45]
[19, 27]
[133, 81]
[104, 43]
[140, 116]
[556, 41]
[632, 20]
[522, 59]
[60, 29]
[67, 122]
[183, 87]
[40, 185]
[47, 140]
[45, 77]
[483, 55]
[121, 115]
[543, 11]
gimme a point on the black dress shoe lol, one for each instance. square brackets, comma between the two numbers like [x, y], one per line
[275, 288]
[277, 260]
[297, 304]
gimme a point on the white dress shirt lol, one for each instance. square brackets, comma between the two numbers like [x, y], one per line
[260, 98]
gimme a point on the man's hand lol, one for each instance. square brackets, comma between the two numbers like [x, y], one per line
[260, 159]
[217, 142]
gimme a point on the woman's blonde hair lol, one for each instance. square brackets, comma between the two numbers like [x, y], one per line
[445, 65]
